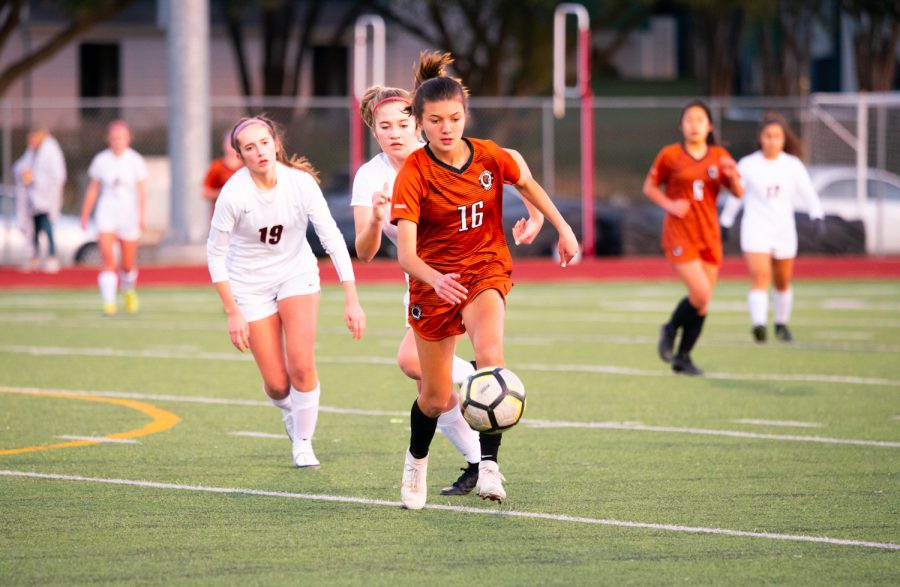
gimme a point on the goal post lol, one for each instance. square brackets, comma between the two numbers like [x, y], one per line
[368, 70]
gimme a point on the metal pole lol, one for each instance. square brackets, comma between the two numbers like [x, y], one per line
[862, 157]
[582, 90]
[189, 118]
[360, 79]
[880, 163]
[549, 151]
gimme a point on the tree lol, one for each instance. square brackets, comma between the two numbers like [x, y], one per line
[504, 47]
[875, 38]
[717, 32]
[83, 14]
[285, 24]
[782, 30]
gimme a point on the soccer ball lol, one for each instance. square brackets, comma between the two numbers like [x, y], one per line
[492, 399]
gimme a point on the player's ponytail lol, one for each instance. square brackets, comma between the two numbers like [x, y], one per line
[432, 84]
[375, 97]
[294, 161]
[792, 143]
[697, 103]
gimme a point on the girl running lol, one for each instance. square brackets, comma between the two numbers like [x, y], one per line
[447, 206]
[693, 172]
[773, 177]
[267, 277]
[386, 112]
[118, 187]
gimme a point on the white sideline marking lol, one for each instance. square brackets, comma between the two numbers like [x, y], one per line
[99, 439]
[785, 423]
[460, 509]
[258, 435]
[707, 432]
[390, 361]
[635, 426]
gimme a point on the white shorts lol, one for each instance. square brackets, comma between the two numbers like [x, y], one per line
[114, 217]
[780, 243]
[261, 300]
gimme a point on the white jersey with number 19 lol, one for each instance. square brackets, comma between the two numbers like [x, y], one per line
[267, 230]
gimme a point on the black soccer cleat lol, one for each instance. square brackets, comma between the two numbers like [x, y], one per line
[466, 482]
[782, 333]
[666, 345]
[682, 364]
[759, 333]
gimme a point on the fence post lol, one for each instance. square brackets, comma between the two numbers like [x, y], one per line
[862, 152]
[548, 132]
[7, 142]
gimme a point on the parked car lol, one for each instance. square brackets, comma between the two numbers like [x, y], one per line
[879, 213]
[74, 246]
[342, 212]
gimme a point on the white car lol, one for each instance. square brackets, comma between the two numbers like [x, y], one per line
[74, 246]
[879, 212]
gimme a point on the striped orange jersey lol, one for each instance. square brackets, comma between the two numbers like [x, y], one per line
[459, 213]
[698, 181]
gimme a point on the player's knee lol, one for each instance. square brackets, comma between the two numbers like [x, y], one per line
[700, 299]
[278, 387]
[302, 375]
[431, 405]
[409, 363]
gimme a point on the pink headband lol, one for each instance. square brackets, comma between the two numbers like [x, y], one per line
[388, 99]
[237, 130]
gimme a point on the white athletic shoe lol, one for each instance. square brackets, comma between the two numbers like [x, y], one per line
[303, 454]
[413, 486]
[490, 481]
[288, 420]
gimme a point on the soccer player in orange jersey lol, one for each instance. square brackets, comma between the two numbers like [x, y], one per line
[447, 205]
[692, 171]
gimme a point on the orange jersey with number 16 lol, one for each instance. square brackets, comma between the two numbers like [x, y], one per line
[459, 213]
[698, 181]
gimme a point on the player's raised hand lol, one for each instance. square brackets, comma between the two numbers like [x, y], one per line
[381, 203]
[567, 246]
[239, 331]
[679, 208]
[448, 289]
[729, 168]
[525, 231]
[355, 319]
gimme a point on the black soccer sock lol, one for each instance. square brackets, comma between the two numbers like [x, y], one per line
[490, 446]
[683, 314]
[690, 335]
[422, 430]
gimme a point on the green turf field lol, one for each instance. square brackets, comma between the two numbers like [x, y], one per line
[781, 466]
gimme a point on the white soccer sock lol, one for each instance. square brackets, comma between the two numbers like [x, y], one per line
[758, 302]
[461, 370]
[284, 403]
[784, 303]
[454, 427]
[108, 282]
[305, 410]
[128, 279]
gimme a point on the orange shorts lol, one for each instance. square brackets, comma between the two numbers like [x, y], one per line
[687, 253]
[439, 321]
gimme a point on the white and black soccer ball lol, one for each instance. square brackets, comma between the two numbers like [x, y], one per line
[492, 399]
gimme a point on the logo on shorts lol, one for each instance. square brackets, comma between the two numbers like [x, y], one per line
[415, 311]
[677, 251]
[713, 171]
[486, 179]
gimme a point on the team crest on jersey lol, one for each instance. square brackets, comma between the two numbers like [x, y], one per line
[415, 311]
[486, 179]
[713, 171]
[676, 252]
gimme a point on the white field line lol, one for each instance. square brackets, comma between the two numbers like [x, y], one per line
[631, 426]
[389, 361]
[257, 434]
[784, 423]
[459, 509]
[99, 439]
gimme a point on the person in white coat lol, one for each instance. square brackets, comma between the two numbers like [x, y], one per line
[268, 278]
[773, 177]
[40, 176]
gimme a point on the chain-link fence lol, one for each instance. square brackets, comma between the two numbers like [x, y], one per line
[629, 133]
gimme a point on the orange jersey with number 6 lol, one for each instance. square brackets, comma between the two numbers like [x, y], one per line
[459, 213]
[698, 181]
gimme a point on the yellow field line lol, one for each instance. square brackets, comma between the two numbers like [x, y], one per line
[161, 419]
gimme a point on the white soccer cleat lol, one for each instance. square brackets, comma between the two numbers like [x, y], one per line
[304, 457]
[490, 481]
[413, 486]
[288, 420]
